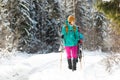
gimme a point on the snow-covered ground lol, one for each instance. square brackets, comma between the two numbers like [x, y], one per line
[23, 66]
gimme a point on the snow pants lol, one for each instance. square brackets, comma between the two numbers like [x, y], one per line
[71, 51]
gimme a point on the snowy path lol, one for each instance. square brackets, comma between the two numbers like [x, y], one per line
[47, 67]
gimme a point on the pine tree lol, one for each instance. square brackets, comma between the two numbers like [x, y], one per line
[43, 36]
[34, 24]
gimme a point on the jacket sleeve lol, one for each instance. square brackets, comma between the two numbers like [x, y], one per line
[63, 30]
[77, 34]
[81, 36]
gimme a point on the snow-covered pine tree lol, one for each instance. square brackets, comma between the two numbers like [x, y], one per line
[101, 31]
[43, 36]
[33, 24]
[67, 7]
[48, 25]
[20, 22]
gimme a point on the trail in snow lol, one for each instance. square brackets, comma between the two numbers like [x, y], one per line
[47, 67]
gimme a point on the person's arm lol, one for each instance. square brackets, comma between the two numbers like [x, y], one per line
[81, 38]
[63, 32]
[77, 34]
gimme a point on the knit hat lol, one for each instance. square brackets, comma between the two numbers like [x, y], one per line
[71, 18]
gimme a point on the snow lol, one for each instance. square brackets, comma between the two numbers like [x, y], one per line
[23, 66]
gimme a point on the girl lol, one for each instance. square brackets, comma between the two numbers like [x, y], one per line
[70, 37]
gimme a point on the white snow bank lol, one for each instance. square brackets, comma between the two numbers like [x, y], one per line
[47, 67]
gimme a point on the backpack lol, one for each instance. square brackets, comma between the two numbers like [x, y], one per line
[66, 28]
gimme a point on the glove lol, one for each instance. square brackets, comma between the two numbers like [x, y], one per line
[62, 36]
[80, 41]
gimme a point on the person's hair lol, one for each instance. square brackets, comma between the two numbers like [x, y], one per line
[71, 18]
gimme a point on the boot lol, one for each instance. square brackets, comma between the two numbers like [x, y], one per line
[69, 64]
[74, 64]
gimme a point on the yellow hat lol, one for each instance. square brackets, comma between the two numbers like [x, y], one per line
[71, 18]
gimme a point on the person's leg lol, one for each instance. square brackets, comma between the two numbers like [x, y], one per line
[68, 52]
[74, 51]
[69, 63]
[74, 55]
